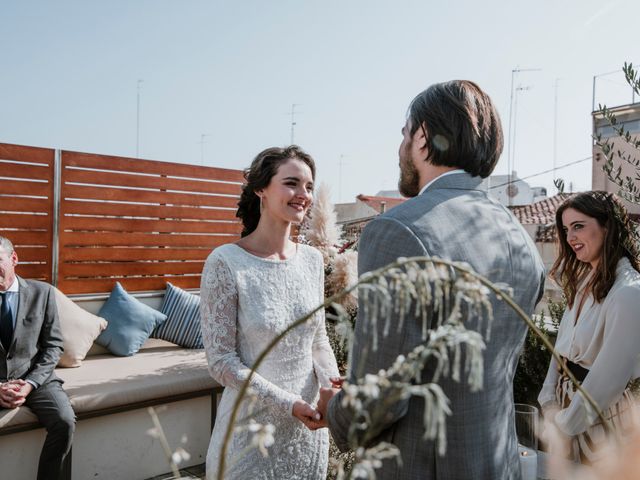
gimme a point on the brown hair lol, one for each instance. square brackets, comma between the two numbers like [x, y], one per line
[259, 175]
[461, 125]
[619, 241]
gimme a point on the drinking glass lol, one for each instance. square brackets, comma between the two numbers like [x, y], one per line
[527, 418]
[527, 432]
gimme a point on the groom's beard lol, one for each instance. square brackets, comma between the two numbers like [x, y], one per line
[409, 183]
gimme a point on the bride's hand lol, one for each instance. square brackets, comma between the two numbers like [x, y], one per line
[307, 415]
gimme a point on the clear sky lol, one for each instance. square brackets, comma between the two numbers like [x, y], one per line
[231, 70]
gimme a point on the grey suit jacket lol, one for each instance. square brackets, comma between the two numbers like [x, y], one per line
[453, 219]
[37, 341]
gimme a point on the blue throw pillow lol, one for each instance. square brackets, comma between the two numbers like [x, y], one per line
[130, 322]
[183, 318]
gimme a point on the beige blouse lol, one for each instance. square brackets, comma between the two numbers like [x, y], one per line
[605, 340]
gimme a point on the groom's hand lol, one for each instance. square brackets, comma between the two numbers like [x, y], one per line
[326, 394]
[307, 415]
[336, 382]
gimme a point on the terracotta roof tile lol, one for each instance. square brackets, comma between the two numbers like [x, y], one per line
[539, 213]
[543, 214]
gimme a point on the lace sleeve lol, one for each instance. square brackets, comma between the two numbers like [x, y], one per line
[218, 314]
[324, 360]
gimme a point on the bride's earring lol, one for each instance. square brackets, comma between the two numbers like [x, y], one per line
[261, 206]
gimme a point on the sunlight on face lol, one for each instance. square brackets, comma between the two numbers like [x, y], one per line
[290, 192]
[585, 235]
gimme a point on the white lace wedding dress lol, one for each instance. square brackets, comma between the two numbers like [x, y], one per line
[246, 302]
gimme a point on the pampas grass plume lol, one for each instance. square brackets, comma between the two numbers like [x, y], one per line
[322, 231]
[343, 275]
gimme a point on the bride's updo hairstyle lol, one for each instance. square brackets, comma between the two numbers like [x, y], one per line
[259, 175]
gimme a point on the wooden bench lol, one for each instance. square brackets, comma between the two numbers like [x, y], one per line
[110, 396]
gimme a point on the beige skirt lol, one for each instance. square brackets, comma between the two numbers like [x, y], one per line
[588, 446]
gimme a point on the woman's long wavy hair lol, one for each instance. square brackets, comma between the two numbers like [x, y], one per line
[619, 241]
[259, 175]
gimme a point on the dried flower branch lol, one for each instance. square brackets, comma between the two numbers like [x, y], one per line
[368, 460]
[174, 458]
[263, 435]
[420, 285]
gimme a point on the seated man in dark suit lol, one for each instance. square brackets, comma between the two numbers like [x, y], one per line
[30, 346]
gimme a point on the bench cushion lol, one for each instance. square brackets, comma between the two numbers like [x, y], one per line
[104, 381]
[79, 329]
[130, 322]
[182, 326]
[17, 416]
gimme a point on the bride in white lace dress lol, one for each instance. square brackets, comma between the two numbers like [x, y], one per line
[251, 291]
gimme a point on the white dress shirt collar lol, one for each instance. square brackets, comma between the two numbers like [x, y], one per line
[450, 172]
[15, 286]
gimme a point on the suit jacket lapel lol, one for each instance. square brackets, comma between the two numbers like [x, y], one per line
[2, 345]
[24, 298]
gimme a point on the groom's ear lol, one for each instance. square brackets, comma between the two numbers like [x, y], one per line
[423, 137]
[421, 142]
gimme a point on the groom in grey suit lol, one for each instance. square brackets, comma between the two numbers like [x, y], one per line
[451, 141]
[30, 347]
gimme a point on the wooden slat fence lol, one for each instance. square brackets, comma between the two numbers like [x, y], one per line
[139, 222]
[26, 207]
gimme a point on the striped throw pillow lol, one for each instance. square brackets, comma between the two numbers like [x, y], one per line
[183, 318]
